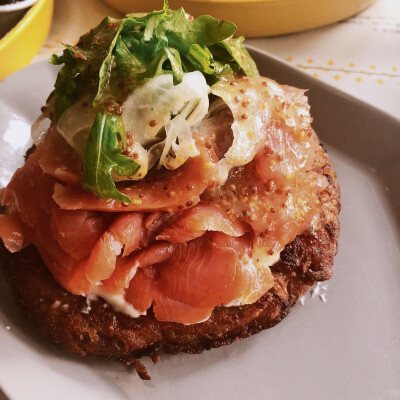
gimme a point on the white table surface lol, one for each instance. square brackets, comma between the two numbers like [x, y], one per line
[360, 56]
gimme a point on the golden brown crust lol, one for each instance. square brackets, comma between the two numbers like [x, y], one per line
[96, 329]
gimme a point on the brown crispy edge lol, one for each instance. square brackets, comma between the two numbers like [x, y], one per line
[99, 331]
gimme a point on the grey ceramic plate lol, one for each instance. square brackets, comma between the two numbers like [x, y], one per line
[348, 348]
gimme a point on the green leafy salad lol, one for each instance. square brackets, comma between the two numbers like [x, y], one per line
[130, 89]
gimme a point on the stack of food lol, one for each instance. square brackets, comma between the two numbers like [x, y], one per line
[177, 201]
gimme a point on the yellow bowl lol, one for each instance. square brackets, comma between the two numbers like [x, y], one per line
[23, 42]
[258, 17]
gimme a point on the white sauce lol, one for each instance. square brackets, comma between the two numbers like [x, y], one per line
[117, 301]
[262, 259]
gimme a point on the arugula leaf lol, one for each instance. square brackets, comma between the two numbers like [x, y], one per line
[202, 59]
[152, 23]
[239, 54]
[102, 157]
[83, 73]
[140, 19]
[105, 68]
[127, 65]
[203, 30]
[66, 86]
[74, 51]
[144, 51]
[156, 66]
[175, 31]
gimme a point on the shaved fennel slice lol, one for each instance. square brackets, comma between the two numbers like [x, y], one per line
[178, 139]
[248, 127]
[39, 128]
[138, 154]
[154, 153]
[74, 125]
[216, 106]
[151, 106]
[41, 125]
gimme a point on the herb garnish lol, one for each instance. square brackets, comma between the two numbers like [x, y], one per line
[118, 55]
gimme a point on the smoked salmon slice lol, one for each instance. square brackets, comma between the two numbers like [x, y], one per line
[204, 273]
[201, 274]
[124, 232]
[28, 198]
[276, 204]
[140, 293]
[58, 159]
[127, 267]
[12, 233]
[102, 259]
[167, 309]
[162, 191]
[128, 229]
[65, 225]
[185, 282]
[194, 222]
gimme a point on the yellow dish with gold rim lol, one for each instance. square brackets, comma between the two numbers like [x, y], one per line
[258, 17]
[23, 42]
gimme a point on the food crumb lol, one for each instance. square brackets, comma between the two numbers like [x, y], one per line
[155, 358]
[56, 304]
[88, 308]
